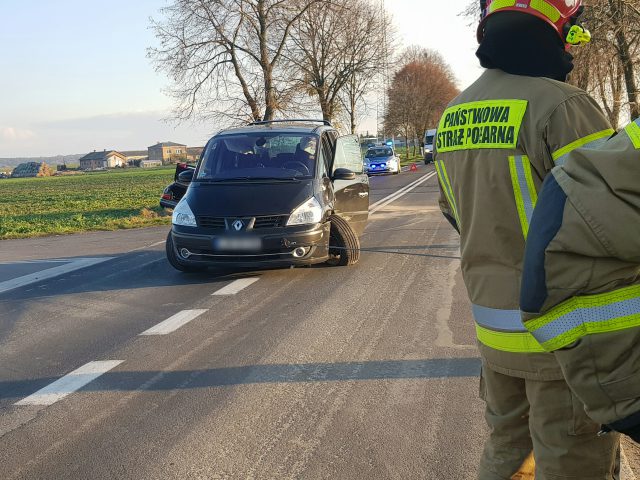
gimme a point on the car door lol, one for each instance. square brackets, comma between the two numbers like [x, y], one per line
[351, 196]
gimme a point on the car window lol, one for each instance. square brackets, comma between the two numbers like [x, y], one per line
[379, 152]
[347, 154]
[327, 154]
[259, 155]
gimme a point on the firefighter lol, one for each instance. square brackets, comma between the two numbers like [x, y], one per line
[581, 280]
[495, 144]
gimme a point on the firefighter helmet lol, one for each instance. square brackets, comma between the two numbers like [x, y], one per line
[560, 14]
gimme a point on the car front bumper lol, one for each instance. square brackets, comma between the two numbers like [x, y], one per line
[277, 247]
[371, 169]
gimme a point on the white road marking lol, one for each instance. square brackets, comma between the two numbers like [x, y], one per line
[236, 286]
[148, 246]
[400, 193]
[73, 264]
[397, 192]
[173, 323]
[69, 383]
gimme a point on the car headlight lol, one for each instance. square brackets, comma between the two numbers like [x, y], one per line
[309, 212]
[182, 215]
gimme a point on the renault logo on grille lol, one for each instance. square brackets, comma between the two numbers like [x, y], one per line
[237, 225]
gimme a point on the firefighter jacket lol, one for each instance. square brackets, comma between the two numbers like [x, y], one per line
[495, 144]
[581, 282]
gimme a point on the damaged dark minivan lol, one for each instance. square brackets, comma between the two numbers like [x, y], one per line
[274, 193]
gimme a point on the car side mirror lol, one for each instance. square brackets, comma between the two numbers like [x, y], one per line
[186, 176]
[343, 174]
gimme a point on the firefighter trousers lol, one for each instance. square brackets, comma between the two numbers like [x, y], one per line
[544, 417]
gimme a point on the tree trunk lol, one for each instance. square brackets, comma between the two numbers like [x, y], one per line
[626, 60]
[352, 114]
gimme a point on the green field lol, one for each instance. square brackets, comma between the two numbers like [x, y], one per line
[110, 200]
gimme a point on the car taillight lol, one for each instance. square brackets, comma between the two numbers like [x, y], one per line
[166, 196]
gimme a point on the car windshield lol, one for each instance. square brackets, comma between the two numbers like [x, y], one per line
[428, 140]
[379, 153]
[259, 155]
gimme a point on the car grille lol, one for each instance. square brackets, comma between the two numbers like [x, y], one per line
[270, 222]
[218, 223]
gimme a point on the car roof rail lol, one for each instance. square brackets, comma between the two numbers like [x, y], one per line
[292, 120]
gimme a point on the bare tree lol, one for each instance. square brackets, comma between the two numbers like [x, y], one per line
[226, 57]
[608, 67]
[337, 47]
[419, 93]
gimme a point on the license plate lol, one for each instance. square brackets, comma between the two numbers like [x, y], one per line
[237, 244]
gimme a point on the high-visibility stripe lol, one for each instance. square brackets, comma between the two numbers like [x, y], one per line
[497, 319]
[446, 187]
[498, 4]
[633, 130]
[508, 341]
[587, 315]
[524, 189]
[541, 6]
[503, 330]
[593, 141]
[548, 10]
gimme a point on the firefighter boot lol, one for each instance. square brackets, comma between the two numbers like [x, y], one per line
[526, 470]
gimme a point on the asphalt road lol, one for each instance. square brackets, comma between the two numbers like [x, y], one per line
[116, 366]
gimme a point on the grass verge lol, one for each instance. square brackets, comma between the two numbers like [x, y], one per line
[109, 200]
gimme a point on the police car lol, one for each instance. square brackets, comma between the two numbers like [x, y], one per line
[382, 159]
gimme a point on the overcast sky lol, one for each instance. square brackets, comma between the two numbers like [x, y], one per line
[74, 76]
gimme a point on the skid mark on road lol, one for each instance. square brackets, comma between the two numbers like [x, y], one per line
[445, 335]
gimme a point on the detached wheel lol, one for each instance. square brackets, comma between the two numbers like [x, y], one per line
[344, 246]
[175, 261]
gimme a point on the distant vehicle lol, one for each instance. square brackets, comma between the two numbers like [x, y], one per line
[4, 175]
[173, 193]
[274, 193]
[429, 138]
[381, 159]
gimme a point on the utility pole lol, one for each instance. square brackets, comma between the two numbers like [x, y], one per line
[381, 107]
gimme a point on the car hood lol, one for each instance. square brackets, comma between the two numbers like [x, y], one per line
[249, 199]
[378, 159]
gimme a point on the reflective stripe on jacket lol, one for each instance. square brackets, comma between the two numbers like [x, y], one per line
[494, 145]
[581, 282]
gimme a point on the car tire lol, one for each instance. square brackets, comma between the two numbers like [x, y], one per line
[175, 262]
[345, 239]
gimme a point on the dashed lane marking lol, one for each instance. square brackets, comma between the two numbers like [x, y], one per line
[236, 286]
[173, 323]
[45, 274]
[69, 383]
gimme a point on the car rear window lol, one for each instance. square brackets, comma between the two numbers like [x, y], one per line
[259, 155]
